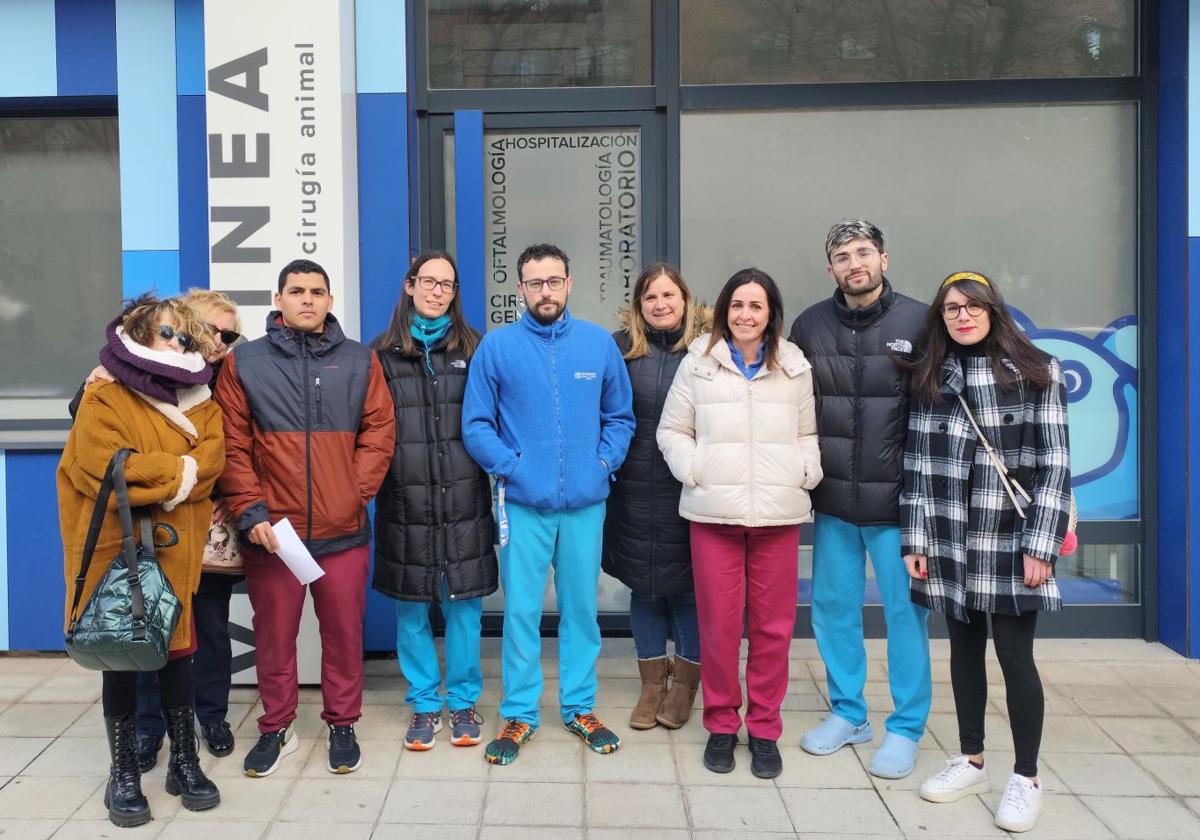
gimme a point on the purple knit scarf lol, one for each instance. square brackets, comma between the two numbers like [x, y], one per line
[154, 379]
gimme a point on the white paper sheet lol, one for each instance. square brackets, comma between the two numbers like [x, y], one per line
[293, 553]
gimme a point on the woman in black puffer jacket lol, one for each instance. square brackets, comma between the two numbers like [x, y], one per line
[646, 543]
[434, 531]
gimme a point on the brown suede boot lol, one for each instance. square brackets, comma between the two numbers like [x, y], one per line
[654, 688]
[677, 706]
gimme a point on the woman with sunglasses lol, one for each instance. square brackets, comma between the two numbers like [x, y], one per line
[159, 406]
[984, 509]
[434, 531]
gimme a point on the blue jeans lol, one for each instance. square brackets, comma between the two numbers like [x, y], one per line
[418, 656]
[839, 588]
[569, 542]
[654, 620]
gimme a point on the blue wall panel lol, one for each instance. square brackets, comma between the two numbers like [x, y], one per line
[189, 47]
[149, 150]
[468, 213]
[35, 560]
[380, 48]
[3, 555]
[193, 192]
[145, 271]
[28, 65]
[86, 47]
[382, 206]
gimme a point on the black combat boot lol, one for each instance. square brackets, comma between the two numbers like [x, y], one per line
[184, 776]
[123, 797]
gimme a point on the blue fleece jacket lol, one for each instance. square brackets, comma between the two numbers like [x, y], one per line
[549, 409]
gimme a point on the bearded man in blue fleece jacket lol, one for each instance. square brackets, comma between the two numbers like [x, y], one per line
[549, 412]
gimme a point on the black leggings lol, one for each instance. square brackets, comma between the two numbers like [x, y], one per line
[119, 697]
[1013, 639]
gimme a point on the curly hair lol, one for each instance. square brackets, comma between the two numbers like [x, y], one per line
[142, 314]
[207, 300]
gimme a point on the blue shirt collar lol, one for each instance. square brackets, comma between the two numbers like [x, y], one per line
[748, 370]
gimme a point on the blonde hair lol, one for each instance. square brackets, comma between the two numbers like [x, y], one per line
[207, 300]
[636, 325]
[142, 314]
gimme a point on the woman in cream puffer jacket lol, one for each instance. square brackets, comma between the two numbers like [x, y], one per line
[739, 431]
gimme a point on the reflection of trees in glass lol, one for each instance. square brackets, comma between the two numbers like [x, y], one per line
[740, 41]
[538, 43]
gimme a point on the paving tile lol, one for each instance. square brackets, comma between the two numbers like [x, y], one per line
[28, 829]
[839, 812]
[641, 834]
[444, 761]
[1149, 735]
[729, 834]
[412, 801]
[397, 831]
[163, 806]
[1180, 773]
[929, 762]
[16, 753]
[1179, 702]
[1000, 767]
[40, 719]
[206, 830]
[533, 803]
[22, 664]
[1063, 818]
[66, 688]
[653, 763]
[1194, 804]
[1080, 673]
[72, 757]
[737, 808]
[690, 769]
[842, 769]
[1156, 818]
[551, 761]
[944, 728]
[1173, 675]
[1102, 774]
[290, 767]
[15, 686]
[965, 818]
[629, 805]
[335, 799]
[378, 760]
[1075, 734]
[89, 725]
[35, 798]
[299, 831]
[531, 832]
[1111, 700]
[243, 799]
[77, 829]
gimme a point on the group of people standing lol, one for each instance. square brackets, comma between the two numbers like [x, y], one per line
[680, 455]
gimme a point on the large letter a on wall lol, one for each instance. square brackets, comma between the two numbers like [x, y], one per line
[250, 66]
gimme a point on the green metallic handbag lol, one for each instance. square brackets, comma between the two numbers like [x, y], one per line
[128, 622]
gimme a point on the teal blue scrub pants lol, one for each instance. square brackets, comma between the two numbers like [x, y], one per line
[569, 542]
[839, 589]
[418, 656]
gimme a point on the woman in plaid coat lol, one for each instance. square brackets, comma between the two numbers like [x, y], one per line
[979, 545]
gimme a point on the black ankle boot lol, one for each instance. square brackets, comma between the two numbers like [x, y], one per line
[123, 797]
[184, 776]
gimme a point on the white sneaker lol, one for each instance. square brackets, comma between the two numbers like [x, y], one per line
[1020, 805]
[958, 778]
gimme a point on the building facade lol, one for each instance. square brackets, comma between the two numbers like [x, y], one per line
[166, 144]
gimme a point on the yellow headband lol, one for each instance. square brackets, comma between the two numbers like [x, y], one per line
[965, 275]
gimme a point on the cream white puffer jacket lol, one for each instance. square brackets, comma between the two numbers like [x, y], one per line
[745, 450]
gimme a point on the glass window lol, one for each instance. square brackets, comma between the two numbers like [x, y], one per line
[763, 41]
[1041, 198]
[539, 43]
[60, 241]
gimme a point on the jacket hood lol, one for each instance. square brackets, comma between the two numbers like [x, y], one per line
[866, 314]
[287, 338]
[791, 358]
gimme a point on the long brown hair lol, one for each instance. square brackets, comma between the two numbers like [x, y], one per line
[774, 331]
[636, 322]
[1004, 342]
[461, 336]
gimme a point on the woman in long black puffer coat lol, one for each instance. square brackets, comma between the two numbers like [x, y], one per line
[646, 543]
[434, 531]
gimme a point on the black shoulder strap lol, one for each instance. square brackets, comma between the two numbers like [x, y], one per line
[114, 476]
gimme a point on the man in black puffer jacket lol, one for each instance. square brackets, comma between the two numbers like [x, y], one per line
[862, 416]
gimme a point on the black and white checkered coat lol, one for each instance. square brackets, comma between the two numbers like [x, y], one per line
[953, 507]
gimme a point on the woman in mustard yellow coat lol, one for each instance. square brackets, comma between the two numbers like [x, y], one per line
[159, 406]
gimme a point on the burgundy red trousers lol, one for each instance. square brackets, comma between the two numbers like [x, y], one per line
[751, 571]
[340, 598]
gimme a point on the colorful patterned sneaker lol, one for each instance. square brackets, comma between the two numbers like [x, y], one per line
[263, 759]
[422, 732]
[344, 754]
[508, 743]
[464, 727]
[594, 733]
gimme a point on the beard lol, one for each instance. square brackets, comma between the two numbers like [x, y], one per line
[874, 281]
[544, 316]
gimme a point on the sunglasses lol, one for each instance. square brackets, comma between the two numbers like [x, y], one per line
[166, 332]
[228, 337]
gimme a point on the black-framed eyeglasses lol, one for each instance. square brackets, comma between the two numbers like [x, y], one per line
[228, 337]
[554, 284]
[428, 283]
[950, 311]
[166, 332]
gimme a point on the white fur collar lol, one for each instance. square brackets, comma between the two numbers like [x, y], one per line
[189, 398]
[191, 362]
